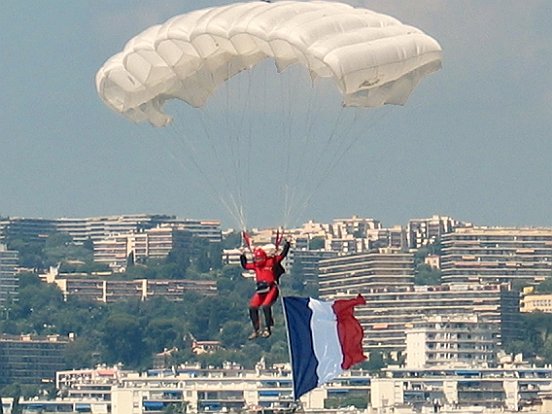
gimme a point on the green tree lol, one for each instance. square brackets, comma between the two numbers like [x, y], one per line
[539, 327]
[344, 402]
[27, 279]
[535, 339]
[59, 247]
[29, 250]
[546, 351]
[205, 255]
[80, 353]
[545, 286]
[37, 305]
[423, 252]
[87, 267]
[163, 333]
[180, 260]
[233, 334]
[250, 355]
[375, 362]
[520, 346]
[122, 339]
[278, 353]
[232, 240]
[427, 275]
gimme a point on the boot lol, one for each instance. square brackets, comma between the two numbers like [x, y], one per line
[254, 316]
[269, 322]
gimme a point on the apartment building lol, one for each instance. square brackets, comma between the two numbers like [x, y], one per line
[463, 390]
[307, 263]
[204, 229]
[374, 239]
[537, 303]
[308, 242]
[89, 383]
[197, 390]
[422, 232]
[231, 257]
[33, 229]
[56, 406]
[98, 228]
[343, 236]
[190, 389]
[345, 244]
[109, 291]
[114, 251]
[8, 274]
[393, 237]
[30, 360]
[532, 301]
[496, 255]
[80, 229]
[155, 243]
[117, 250]
[360, 272]
[356, 226]
[231, 389]
[456, 340]
[3, 229]
[390, 310]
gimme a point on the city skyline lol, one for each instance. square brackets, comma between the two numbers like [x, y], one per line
[473, 141]
[466, 222]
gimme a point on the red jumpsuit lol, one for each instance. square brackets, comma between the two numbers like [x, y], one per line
[267, 275]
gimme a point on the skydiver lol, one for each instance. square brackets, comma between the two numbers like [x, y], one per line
[267, 264]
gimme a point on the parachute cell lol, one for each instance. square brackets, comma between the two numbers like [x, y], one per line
[374, 59]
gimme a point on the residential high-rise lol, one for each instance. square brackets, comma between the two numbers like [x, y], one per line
[360, 272]
[31, 360]
[109, 291]
[422, 232]
[35, 229]
[390, 311]
[507, 389]
[394, 237]
[532, 301]
[155, 243]
[307, 264]
[8, 276]
[496, 255]
[97, 228]
[355, 226]
[455, 340]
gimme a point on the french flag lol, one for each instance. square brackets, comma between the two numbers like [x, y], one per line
[325, 339]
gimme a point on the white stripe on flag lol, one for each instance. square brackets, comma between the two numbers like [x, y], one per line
[327, 347]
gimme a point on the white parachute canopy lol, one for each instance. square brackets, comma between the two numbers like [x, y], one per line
[374, 59]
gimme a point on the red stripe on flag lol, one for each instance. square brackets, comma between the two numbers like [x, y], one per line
[349, 331]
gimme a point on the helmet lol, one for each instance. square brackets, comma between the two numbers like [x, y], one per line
[259, 256]
[270, 249]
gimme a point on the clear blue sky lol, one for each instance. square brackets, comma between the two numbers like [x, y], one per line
[473, 142]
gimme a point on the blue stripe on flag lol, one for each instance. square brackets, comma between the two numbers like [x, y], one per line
[303, 360]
